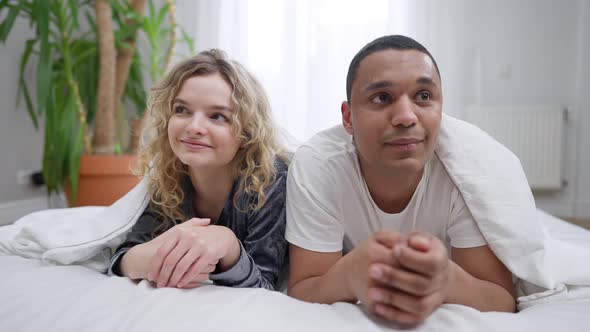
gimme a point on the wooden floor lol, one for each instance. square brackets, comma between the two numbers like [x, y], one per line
[580, 222]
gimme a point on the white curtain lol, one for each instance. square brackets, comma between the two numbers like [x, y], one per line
[300, 50]
[501, 52]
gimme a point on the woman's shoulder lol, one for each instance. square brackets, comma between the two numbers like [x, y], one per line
[275, 188]
[282, 166]
[278, 183]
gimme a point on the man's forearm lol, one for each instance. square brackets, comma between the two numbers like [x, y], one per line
[480, 294]
[329, 288]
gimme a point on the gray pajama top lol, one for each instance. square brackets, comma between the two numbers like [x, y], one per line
[260, 233]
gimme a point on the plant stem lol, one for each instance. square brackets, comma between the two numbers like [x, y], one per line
[125, 55]
[104, 134]
[172, 45]
[68, 68]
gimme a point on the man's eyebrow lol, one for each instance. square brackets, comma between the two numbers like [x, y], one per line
[426, 81]
[423, 80]
[378, 85]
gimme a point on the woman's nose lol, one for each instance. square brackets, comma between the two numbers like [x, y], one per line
[197, 125]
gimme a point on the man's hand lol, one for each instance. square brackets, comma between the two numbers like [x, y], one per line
[375, 250]
[409, 292]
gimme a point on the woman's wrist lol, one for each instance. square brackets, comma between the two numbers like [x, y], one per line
[232, 254]
[127, 266]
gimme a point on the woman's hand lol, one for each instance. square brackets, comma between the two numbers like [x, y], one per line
[188, 252]
[184, 255]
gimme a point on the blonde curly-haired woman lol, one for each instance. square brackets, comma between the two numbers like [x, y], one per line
[217, 180]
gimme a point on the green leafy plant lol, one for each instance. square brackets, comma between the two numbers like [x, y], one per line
[66, 58]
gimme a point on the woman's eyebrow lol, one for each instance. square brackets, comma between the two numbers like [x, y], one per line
[179, 101]
[216, 107]
[221, 108]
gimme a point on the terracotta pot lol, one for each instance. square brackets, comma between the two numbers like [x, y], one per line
[104, 179]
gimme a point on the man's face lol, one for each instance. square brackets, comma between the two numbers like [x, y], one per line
[395, 111]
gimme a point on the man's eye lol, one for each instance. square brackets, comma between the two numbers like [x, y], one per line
[381, 98]
[423, 96]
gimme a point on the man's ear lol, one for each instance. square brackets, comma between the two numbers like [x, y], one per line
[346, 117]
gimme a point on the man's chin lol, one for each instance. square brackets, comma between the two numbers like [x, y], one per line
[407, 166]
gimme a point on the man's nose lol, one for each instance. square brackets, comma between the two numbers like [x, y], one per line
[403, 112]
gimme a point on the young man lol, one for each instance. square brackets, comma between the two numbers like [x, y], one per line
[357, 196]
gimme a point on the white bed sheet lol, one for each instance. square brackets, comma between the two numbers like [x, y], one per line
[35, 296]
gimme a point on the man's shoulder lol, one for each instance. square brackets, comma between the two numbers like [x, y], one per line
[328, 145]
[321, 163]
[440, 183]
[438, 175]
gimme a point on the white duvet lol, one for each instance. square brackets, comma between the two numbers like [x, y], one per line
[37, 296]
[549, 270]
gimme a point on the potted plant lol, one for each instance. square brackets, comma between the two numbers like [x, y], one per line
[90, 86]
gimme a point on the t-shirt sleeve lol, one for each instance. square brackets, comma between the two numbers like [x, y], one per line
[463, 231]
[312, 217]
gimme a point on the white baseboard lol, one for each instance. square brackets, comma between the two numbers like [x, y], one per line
[559, 210]
[11, 211]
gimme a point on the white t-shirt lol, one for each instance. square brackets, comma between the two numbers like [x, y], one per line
[329, 207]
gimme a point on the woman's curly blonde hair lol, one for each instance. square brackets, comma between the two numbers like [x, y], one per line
[254, 163]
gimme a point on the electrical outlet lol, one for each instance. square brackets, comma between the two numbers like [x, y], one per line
[23, 176]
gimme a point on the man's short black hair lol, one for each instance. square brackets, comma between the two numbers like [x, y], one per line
[394, 42]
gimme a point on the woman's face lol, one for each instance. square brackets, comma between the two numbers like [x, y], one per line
[200, 128]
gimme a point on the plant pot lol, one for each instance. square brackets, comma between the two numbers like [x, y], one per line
[104, 179]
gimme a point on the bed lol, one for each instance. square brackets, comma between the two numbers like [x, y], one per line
[37, 296]
[51, 261]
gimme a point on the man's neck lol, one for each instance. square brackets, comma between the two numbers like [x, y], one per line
[391, 190]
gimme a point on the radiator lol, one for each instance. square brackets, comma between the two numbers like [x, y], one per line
[534, 134]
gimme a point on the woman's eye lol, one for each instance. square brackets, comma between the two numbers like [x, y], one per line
[219, 117]
[381, 98]
[180, 109]
[423, 96]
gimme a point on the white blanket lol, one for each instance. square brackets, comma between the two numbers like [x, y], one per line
[87, 236]
[44, 297]
[495, 189]
[488, 175]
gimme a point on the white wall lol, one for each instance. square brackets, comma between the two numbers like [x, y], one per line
[502, 52]
[520, 53]
[21, 146]
[582, 202]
